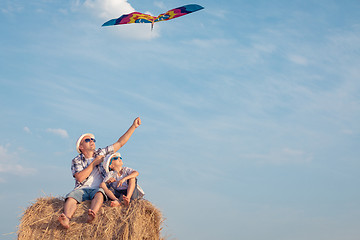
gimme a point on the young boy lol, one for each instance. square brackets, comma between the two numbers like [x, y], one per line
[120, 183]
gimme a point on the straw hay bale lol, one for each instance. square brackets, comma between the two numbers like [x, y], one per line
[141, 220]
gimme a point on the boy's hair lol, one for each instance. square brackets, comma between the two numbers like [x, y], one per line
[111, 159]
[107, 161]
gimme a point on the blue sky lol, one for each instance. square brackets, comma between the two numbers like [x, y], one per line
[250, 111]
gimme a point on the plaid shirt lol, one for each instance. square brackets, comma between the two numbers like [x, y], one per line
[79, 163]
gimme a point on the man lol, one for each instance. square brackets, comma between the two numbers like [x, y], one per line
[89, 173]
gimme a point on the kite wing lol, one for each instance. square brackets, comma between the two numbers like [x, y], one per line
[134, 17]
[137, 17]
[178, 12]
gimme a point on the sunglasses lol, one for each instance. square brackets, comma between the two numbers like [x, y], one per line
[114, 158]
[89, 139]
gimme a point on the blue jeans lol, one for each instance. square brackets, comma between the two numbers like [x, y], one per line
[120, 193]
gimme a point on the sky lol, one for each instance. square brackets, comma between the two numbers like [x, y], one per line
[250, 111]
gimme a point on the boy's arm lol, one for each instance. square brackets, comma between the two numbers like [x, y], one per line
[133, 174]
[124, 138]
[109, 193]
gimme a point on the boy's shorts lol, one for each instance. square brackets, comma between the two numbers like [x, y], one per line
[120, 193]
[84, 194]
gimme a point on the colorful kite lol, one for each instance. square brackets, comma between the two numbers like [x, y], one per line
[137, 17]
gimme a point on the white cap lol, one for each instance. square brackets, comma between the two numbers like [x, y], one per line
[107, 159]
[80, 138]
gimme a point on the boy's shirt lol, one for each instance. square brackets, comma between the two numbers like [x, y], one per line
[113, 174]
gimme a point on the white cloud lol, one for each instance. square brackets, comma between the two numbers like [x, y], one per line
[160, 5]
[58, 131]
[9, 163]
[139, 31]
[298, 59]
[15, 169]
[26, 129]
[218, 13]
[211, 43]
[109, 8]
[347, 131]
[282, 157]
[11, 7]
[264, 47]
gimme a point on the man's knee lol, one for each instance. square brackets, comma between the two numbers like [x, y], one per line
[71, 200]
[99, 196]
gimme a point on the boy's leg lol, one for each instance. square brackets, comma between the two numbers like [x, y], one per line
[109, 190]
[130, 191]
[119, 196]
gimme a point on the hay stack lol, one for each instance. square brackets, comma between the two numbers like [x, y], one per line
[141, 220]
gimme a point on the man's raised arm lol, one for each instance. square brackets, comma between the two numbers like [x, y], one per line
[124, 138]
